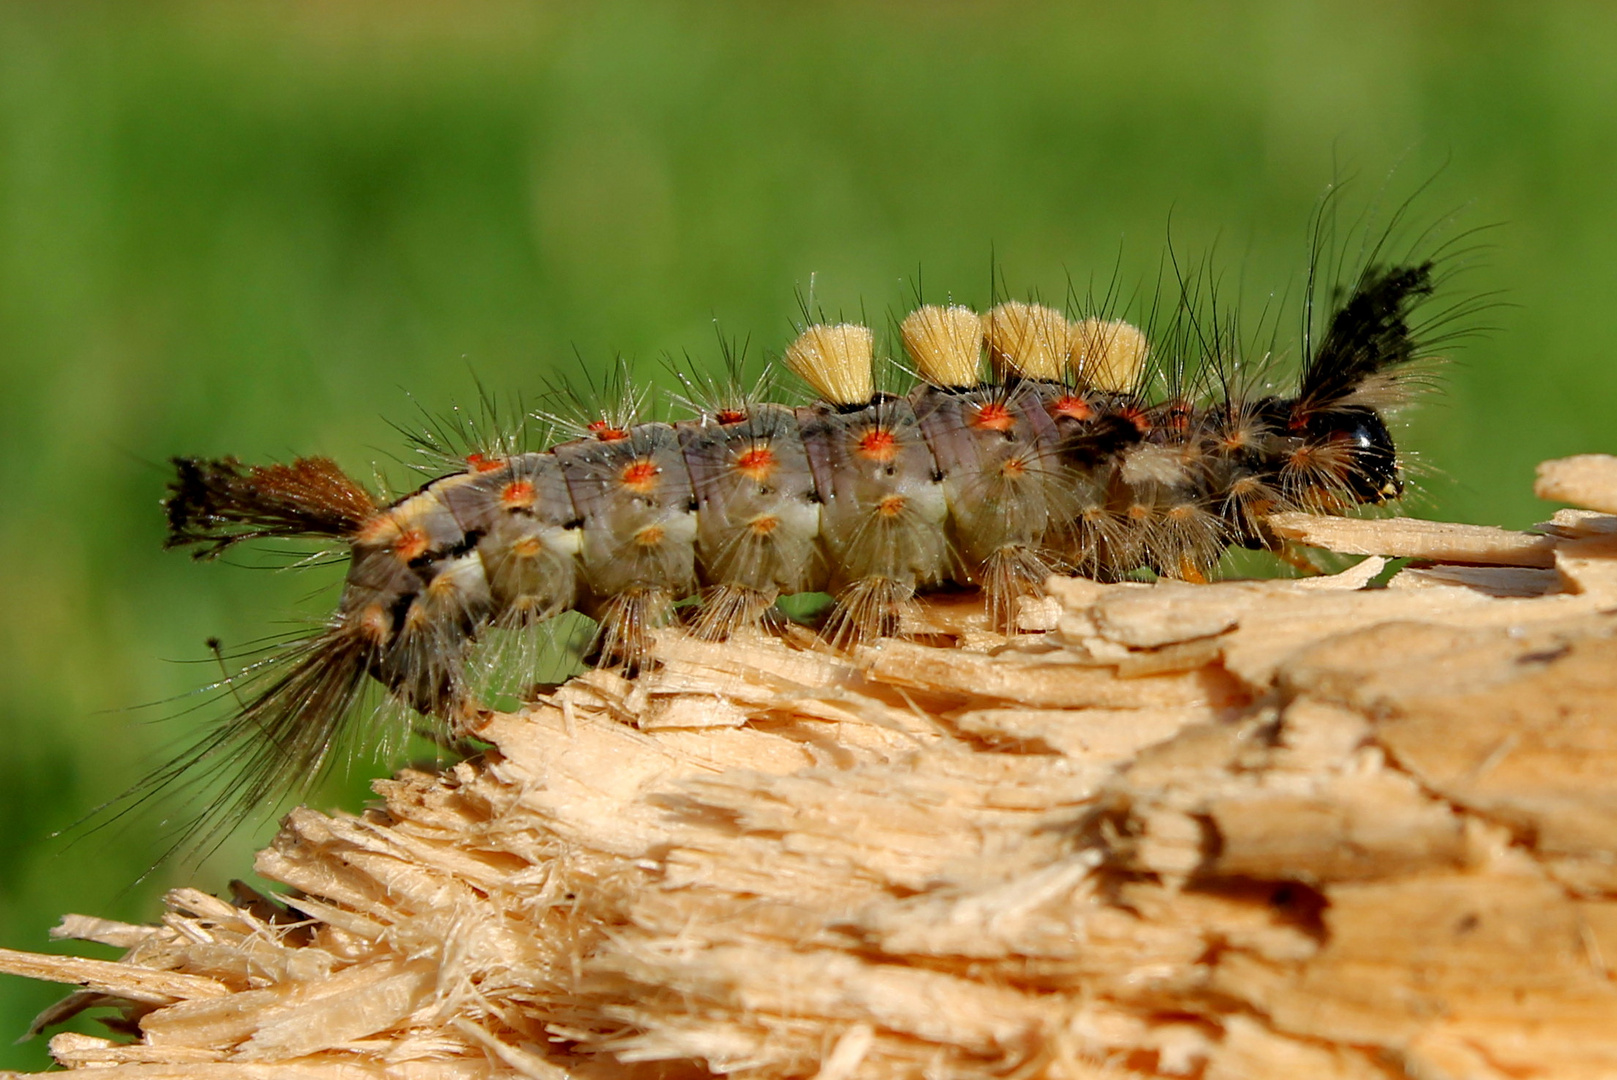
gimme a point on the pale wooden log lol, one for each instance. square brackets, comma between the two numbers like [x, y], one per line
[1588, 480]
[1253, 829]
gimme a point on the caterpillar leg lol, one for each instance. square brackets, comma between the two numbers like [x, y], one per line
[629, 621]
[1105, 544]
[868, 608]
[1009, 574]
[728, 608]
[1187, 542]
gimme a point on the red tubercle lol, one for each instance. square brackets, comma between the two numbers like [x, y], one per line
[878, 444]
[1318, 459]
[1238, 437]
[639, 475]
[1136, 416]
[992, 416]
[519, 494]
[730, 416]
[482, 463]
[1073, 407]
[410, 544]
[606, 431]
[757, 463]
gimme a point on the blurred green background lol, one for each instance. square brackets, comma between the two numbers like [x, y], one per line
[252, 228]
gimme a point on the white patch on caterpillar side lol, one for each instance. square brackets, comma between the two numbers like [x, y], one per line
[1163, 465]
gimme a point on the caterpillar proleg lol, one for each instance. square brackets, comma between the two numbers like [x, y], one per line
[1038, 441]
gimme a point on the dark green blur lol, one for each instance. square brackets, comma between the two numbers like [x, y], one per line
[265, 229]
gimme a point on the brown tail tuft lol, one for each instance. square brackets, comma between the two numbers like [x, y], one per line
[220, 503]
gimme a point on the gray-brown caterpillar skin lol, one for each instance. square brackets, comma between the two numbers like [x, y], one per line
[910, 493]
[913, 493]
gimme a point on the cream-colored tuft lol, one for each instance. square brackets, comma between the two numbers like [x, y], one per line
[945, 343]
[835, 361]
[1108, 354]
[1027, 340]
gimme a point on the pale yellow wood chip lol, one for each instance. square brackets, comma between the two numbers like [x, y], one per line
[72, 1049]
[105, 931]
[1093, 736]
[1588, 480]
[691, 711]
[322, 1067]
[108, 977]
[1374, 825]
[1251, 1051]
[1574, 524]
[373, 1001]
[1412, 538]
[1357, 576]
[1490, 580]
[1044, 685]
[1588, 567]
[1363, 984]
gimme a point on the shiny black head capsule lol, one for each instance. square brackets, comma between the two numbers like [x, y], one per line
[1374, 476]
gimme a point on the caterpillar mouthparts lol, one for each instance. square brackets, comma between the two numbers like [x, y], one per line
[1032, 446]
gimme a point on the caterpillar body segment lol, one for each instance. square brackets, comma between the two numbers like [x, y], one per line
[1009, 498]
[632, 496]
[1056, 462]
[882, 511]
[758, 514]
[528, 536]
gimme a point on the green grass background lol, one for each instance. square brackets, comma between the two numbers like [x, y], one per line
[252, 228]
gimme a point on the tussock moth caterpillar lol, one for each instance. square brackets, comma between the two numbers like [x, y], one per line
[1037, 441]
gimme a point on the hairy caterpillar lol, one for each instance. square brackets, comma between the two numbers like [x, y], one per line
[1034, 444]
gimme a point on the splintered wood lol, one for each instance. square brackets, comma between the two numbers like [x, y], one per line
[1317, 828]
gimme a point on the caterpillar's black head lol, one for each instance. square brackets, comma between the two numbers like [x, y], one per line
[1372, 472]
[1359, 365]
